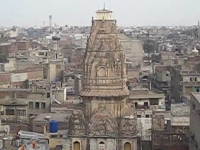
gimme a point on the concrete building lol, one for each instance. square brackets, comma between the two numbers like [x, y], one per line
[158, 58]
[161, 78]
[143, 98]
[183, 82]
[44, 118]
[133, 49]
[14, 111]
[145, 102]
[194, 133]
[171, 133]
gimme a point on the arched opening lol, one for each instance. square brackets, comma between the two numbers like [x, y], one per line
[77, 146]
[127, 146]
[101, 146]
[101, 72]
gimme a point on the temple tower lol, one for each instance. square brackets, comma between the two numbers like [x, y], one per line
[106, 121]
[104, 74]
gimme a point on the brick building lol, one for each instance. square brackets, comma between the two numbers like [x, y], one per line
[5, 78]
[23, 45]
[7, 48]
[14, 93]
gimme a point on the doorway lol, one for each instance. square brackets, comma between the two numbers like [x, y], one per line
[77, 146]
[127, 146]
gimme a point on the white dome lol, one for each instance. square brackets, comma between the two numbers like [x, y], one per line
[195, 51]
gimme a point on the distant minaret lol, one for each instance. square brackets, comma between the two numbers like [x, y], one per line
[43, 23]
[198, 29]
[50, 23]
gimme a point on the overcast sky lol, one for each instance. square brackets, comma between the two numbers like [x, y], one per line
[80, 12]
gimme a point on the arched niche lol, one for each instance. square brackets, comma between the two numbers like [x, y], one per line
[101, 72]
[127, 146]
[102, 146]
[76, 146]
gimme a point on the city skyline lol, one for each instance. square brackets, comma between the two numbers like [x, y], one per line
[131, 13]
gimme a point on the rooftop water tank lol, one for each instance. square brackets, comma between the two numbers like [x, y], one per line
[53, 126]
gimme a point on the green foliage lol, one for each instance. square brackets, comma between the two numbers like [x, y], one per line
[2, 57]
[149, 46]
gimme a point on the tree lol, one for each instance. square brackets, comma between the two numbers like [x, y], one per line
[2, 57]
[149, 46]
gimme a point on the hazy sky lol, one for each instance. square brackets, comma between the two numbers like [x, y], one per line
[80, 12]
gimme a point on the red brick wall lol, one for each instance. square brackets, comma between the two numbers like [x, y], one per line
[10, 48]
[6, 49]
[5, 78]
[35, 75]
[32, 72]
[22, 85]
[13, 48]
[23, 45]
[11, 94]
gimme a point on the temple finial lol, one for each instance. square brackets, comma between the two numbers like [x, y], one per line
[104, 6]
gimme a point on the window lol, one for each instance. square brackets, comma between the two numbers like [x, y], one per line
[21, 112]
[195, 79]
[190, 79]
[136, 104]
[41, 53]
[10, 112]
[146, 104]
[193, 106]
[138, 116]
[37, 105]
[48, 95]
[43, 105]
[54, 136]
[167, 74]
[154, 101]
[197, 89]
[147, 116]
[31, 105]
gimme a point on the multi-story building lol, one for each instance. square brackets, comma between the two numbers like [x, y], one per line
[183, 82]
[44, 118]
[163, 56]
[171, 133]
[133, 49]
[143, 98]
[7, 48]
[162, 78]
[23, 45]
[145, 102]
[194, 133]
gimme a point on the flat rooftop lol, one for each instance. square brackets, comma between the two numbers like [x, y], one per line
[180, 109]
[196, 96]
[60, 117]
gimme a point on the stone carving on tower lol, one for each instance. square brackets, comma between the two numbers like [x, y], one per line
[104, 91]
[77, 123]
